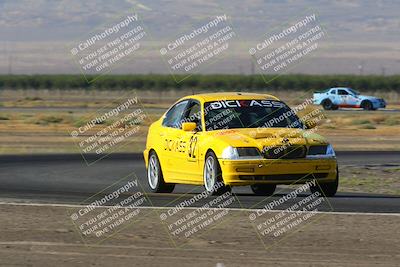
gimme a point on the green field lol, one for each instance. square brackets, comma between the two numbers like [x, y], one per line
[202, 82]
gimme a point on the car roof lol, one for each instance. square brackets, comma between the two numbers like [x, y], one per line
[339, 88]
[206, 97]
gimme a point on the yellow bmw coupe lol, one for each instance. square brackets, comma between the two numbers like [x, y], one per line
[221, 140]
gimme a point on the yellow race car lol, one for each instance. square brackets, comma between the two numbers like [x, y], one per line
[221, 140]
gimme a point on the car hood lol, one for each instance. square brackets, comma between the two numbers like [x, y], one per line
[367, 97]
[261, 137]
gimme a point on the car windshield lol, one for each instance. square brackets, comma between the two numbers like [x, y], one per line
[354, 92]
[233, 114]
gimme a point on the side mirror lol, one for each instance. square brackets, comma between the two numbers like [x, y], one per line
[189, 126]
[310, 124]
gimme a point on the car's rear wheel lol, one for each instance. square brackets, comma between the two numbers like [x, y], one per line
[263, 189]
[212, 176]
[155, 177]
[327, 189]
[327, 104]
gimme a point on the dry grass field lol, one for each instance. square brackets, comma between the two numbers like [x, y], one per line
[40, 121]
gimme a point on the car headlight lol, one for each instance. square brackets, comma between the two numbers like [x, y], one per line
[321, 152]
[241, 153]
[330, 152]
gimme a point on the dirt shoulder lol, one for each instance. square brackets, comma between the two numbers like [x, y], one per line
[45, 236]
[370, 179]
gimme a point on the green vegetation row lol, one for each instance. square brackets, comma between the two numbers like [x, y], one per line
[201, 82]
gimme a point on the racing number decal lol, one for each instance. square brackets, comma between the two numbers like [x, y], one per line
[192, 147]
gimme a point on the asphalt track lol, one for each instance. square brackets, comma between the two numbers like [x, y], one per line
[67, 179]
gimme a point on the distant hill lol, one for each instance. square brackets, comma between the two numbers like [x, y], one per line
[34, 32]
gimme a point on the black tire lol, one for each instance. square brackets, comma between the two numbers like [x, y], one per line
[335, 107]
[367, 105]
[216, 186]
[327, 189]
[327, 104]
[263, 189]
[157, 185]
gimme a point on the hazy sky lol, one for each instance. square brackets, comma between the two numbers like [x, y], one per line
[36, 35]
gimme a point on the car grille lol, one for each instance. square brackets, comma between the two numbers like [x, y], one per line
[285, 152]
[283, 177]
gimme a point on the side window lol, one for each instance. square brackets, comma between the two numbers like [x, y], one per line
[193, 114]
[174, 115]
[343, 92]
[333, 92]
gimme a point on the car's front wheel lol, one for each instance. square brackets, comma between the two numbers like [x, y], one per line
[155, 177]
[367, 105]
[212, 176]
[263, 189]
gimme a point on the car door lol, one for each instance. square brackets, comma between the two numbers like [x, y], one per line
[171, 138]
[352, 100]
[343, 97]
[191, 170]
[334, 97]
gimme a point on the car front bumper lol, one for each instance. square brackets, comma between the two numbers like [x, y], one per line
[380, 103]
[146, 156]
[279, 171]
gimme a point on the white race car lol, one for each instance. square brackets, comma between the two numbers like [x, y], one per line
[341, 97]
